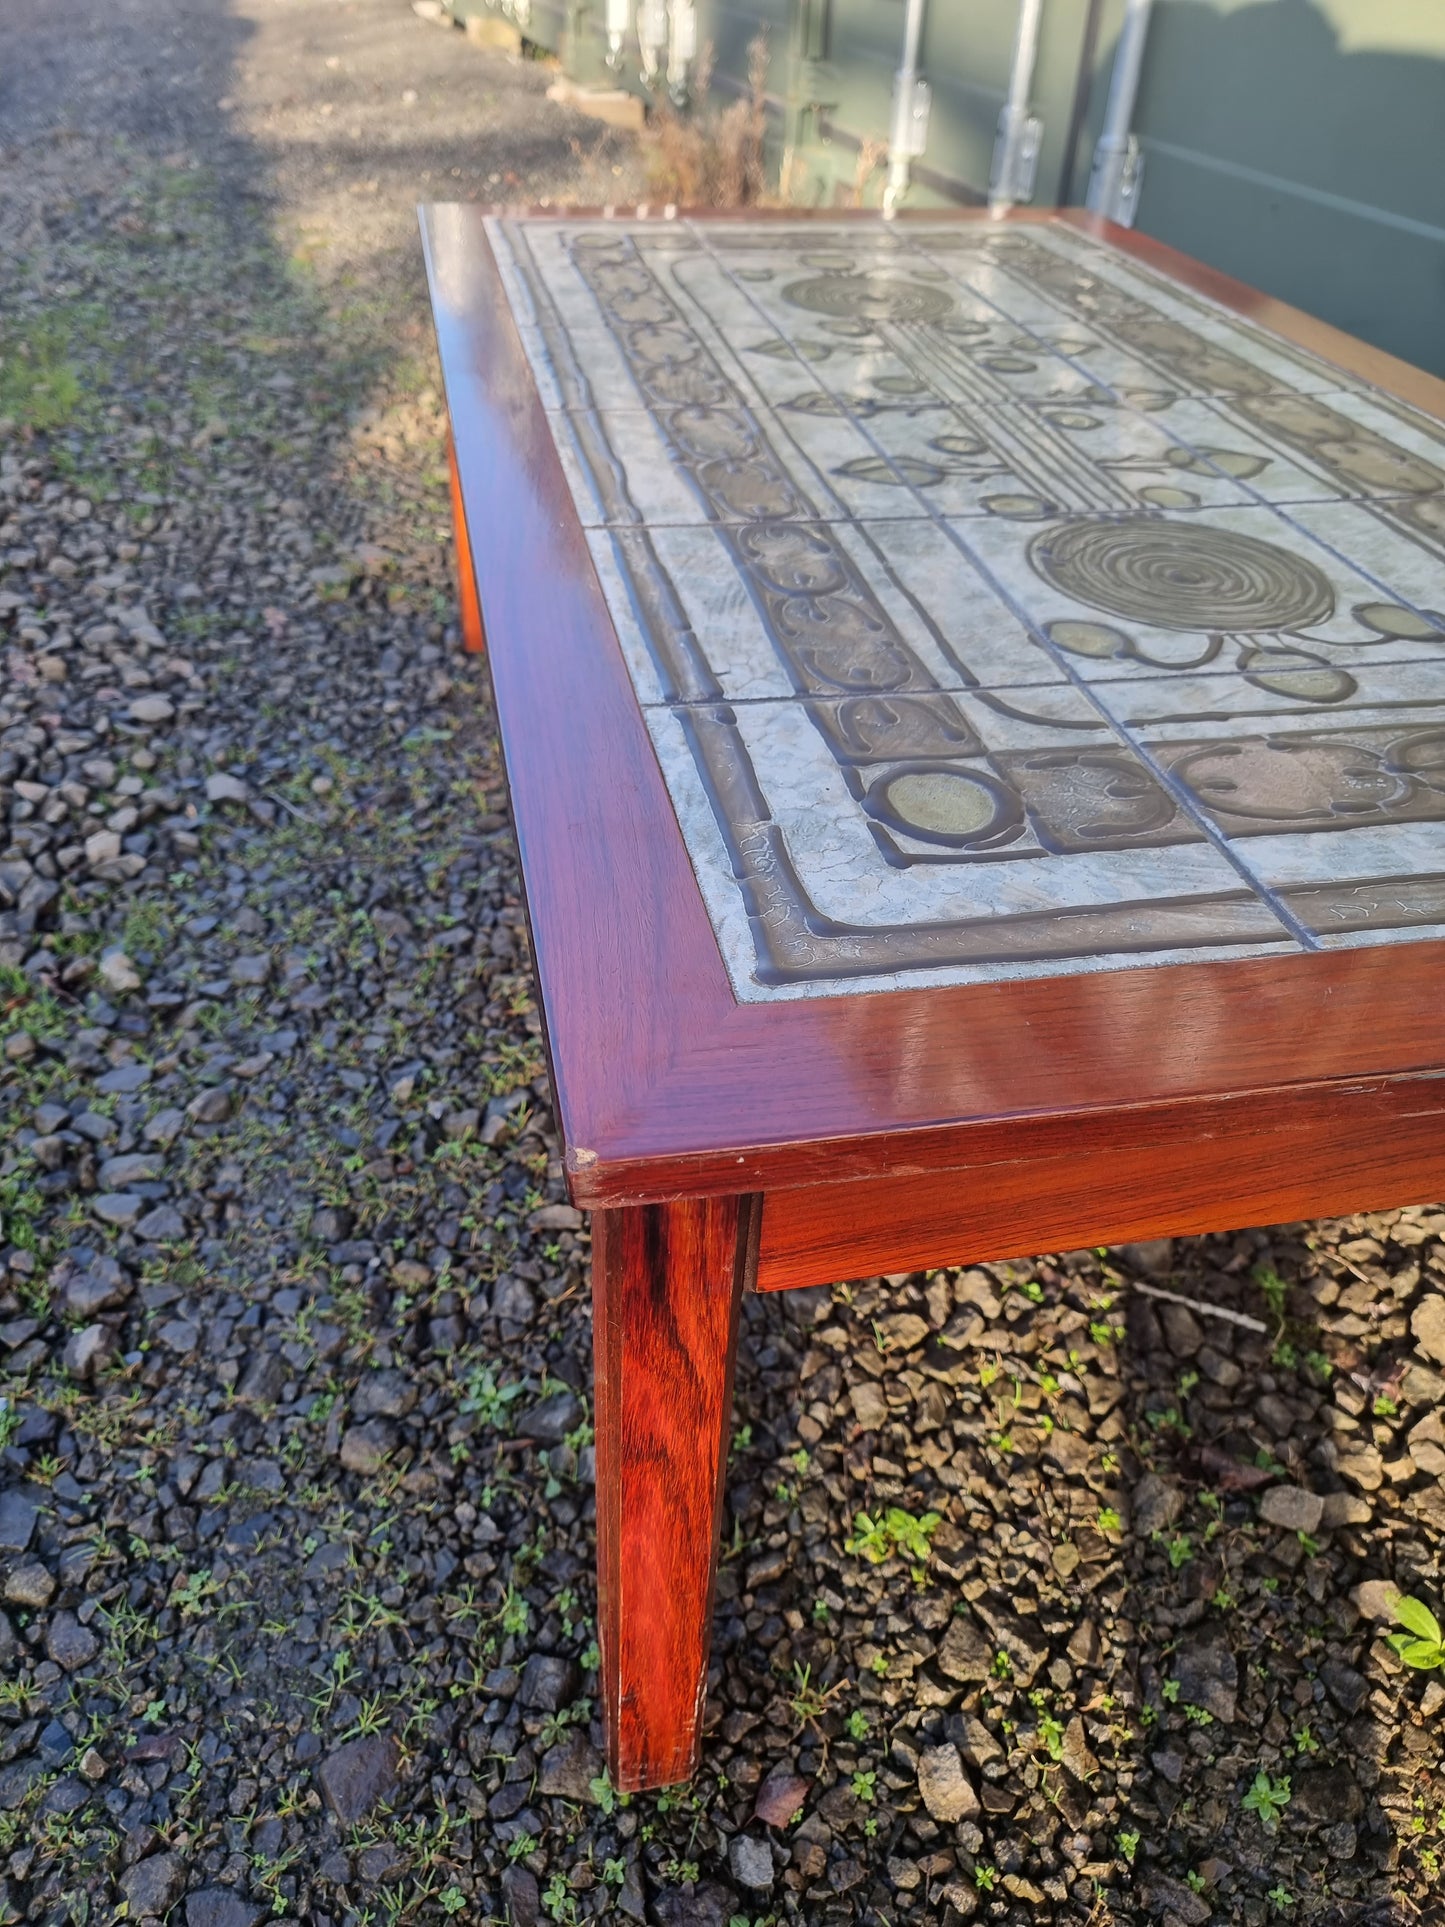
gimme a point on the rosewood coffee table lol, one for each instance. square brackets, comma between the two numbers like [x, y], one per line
[973, 696]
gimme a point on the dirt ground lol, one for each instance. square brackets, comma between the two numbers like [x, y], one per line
[1045, 1595]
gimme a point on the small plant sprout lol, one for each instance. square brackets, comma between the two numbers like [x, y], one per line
[1128, 1846]
[894, 1531]
[1268, 1798]
[1272, 1289]
[810, 1702]
[1421, 1644]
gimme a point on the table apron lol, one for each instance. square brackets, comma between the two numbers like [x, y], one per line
[1355, 1159]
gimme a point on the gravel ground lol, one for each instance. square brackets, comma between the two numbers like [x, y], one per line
[295, 1507]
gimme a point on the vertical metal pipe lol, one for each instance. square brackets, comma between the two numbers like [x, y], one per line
[904, 136]
[1118, 164]
[1026, 53]
[1016, 149]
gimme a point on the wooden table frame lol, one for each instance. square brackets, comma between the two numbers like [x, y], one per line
[767, 1145]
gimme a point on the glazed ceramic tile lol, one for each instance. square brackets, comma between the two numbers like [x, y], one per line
[1380, 880]
[1248, 589]
[996, 607]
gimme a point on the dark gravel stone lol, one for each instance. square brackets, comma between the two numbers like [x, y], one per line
[1292, 1508]
[1183, 1332]
[524, 1901]
[751, 1861]
[161, 1225]
[366, 1448]
[153, 1885]
[1327, 1794]
[30, 1585]
[1208, 1675]
[102, 1286]
[55, 1745]
[16, 1782]
[1163, 1895]
[965, 1652]
[709, 1905]
[356, 1776]
[69, 1643]
[68, 1795]
[513, 1300]
[383, 1395]
[568, 1769]
[549, 1682]
[210, 1107]
[220, 1907]
[120, 1173]
[263, 1377]
[19, 1512]
[550, 1420]
[1157, 1504]
[1347, 1688]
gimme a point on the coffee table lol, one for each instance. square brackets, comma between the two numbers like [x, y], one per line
[973, 697]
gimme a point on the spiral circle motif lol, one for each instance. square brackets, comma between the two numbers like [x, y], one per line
[1182, 576]
[869, 297]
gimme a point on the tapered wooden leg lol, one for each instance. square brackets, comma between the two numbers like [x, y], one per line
[666, 1281]
[474, 639]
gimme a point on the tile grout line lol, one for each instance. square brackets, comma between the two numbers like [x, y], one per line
[1258, 500]
[1304, 937]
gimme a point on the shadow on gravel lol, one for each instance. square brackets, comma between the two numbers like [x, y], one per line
[1141, 1673]
[1029, 1577]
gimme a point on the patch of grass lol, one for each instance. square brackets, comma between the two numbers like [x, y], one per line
[39, 384]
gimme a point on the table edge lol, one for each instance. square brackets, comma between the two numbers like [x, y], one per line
[749, 1096]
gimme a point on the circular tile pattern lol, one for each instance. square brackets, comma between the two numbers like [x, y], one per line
[1176, 575]
[870, 297]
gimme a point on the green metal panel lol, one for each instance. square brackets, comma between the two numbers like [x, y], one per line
[965, 57]
[1300, 144]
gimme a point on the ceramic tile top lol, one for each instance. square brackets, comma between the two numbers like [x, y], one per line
[996, 606]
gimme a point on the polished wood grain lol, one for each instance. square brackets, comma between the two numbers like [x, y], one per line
[1373, 1153]
[888, 1131]
[665, 1085]
[667, 1281]
[474, 639]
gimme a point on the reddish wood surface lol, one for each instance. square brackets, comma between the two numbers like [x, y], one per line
[474, 638]
[888, 1130]
[1371, 1154]
[666, 1087]
[666, 1280]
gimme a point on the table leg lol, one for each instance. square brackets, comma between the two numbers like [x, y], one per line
[666, 1281]
[474, 639]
